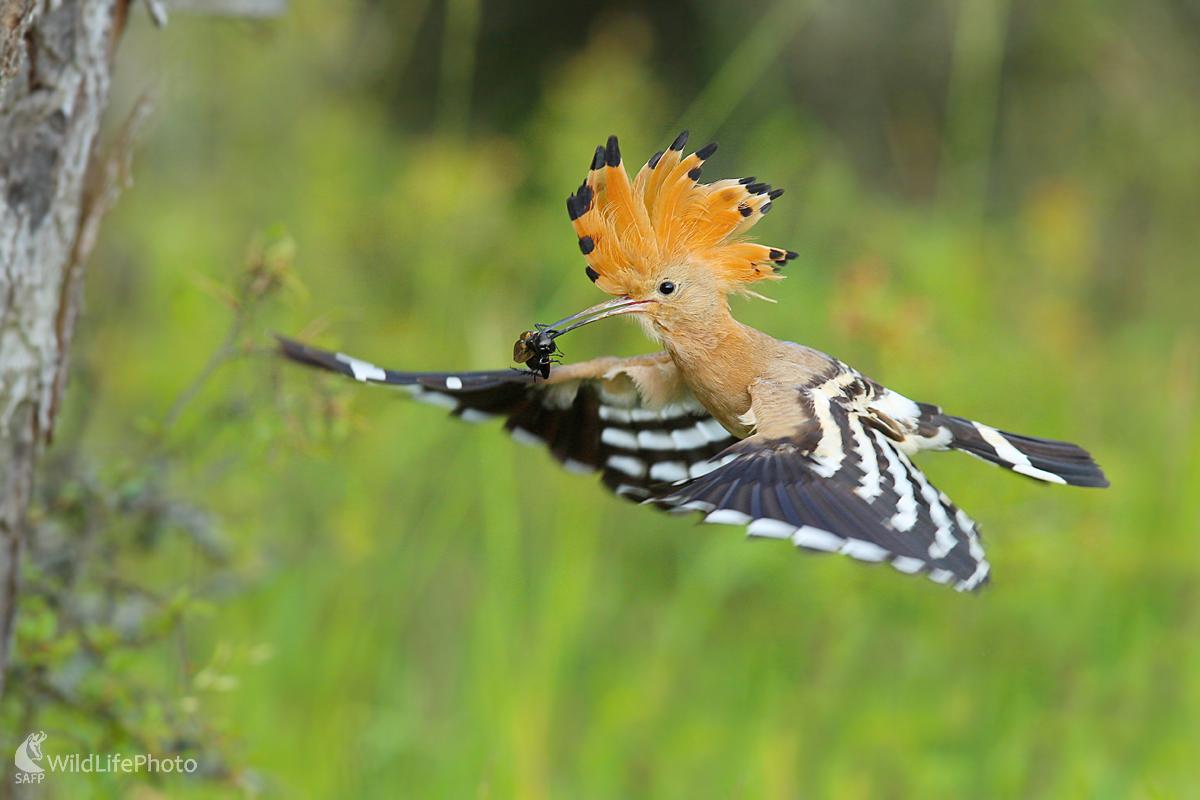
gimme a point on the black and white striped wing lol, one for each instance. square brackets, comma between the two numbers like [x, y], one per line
[915, 427]
[838, 484]
[598, 423]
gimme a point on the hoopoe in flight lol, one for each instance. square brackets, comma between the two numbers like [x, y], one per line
[725, 420]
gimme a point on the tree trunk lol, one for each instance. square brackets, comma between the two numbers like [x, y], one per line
[52, 99]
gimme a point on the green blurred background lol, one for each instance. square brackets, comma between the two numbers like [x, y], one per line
[996, 207]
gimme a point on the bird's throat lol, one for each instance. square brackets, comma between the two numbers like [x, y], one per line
[718, 359]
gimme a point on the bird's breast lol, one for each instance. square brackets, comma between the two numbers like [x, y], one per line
[721, 384]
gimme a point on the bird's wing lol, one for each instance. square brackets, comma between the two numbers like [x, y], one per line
[823, 471]
[628, 418]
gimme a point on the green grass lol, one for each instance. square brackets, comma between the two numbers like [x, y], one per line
[450, 615]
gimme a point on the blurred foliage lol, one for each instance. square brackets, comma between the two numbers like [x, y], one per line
[103, 655]
[995, 207]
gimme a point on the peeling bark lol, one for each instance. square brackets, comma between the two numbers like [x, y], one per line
[53, 98]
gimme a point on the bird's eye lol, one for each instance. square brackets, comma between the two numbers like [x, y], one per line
[666, 287]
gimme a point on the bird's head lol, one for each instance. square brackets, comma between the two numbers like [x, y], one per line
[669, 248]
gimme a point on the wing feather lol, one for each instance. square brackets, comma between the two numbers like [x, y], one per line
[585, 414]
[789, 486]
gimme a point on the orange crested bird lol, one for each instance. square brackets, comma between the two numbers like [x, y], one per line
[726, 420]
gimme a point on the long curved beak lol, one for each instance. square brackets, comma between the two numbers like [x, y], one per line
[620, 305]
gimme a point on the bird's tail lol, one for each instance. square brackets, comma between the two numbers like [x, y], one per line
[1044, 459]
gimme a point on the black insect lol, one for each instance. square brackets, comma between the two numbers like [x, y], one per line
[536, 350]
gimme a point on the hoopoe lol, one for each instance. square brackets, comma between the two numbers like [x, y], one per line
[725, 420]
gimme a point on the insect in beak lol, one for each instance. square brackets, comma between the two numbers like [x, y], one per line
[536, 348]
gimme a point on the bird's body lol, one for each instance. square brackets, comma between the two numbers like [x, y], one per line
[727, 420]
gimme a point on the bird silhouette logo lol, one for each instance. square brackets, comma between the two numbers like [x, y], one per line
[29, 752]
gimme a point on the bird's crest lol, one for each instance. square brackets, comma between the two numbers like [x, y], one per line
[665, 215]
